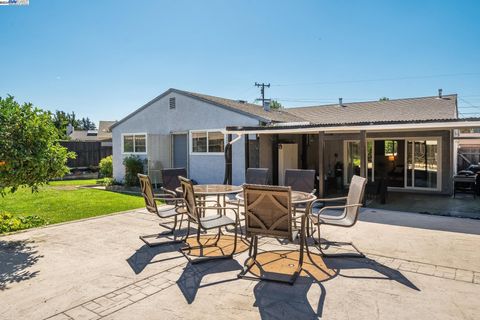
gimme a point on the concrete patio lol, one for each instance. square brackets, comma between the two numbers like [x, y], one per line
[418, 266]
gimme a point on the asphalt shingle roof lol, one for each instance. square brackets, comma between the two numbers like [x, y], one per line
[245, 107]
[411, 109]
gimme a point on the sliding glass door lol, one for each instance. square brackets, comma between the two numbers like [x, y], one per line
[352, 160]
[402, 163]
[423, 164]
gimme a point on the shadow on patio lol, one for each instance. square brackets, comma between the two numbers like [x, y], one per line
[15, 258]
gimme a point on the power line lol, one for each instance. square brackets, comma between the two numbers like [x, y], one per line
[378, 79]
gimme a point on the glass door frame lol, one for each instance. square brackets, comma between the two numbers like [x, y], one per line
[406, 139]
[345, 159]
[439, 163]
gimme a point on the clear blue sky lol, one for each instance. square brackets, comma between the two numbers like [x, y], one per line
[104, 59]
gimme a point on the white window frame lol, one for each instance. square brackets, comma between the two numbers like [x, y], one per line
[135, 134]
[207, 131]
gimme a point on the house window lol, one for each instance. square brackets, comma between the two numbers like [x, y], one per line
[135, 143]
[172, 103]
[207, 142]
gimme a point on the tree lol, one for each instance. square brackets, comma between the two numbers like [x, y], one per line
[86, 124]
[275, 105]
[383, 99]
[30, 154]
[61, 120]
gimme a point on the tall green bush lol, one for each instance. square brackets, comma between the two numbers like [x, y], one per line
[133, 166]
[106, 167]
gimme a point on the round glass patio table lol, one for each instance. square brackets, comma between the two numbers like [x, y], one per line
[213, 189]
[298, 197]
[219, 190]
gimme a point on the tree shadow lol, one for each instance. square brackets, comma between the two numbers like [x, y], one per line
[191, 278]
[15, 258]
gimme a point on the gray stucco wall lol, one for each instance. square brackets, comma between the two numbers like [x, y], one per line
[189, 114]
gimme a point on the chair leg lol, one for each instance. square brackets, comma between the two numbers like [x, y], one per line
[161, 235]
[201, 247]
[357, 254]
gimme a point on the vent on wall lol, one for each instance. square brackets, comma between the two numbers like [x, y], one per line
[172, 103]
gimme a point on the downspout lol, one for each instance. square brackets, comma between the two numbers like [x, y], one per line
[228, 158]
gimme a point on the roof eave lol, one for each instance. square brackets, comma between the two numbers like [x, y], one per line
[372, 127]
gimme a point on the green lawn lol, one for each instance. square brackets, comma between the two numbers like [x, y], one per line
[64, 201]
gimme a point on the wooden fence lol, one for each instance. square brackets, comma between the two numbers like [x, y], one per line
[89, 153]
[467, 156]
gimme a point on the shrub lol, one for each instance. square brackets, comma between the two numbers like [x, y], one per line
[133, 166]
[107, 182]
[9, 223]
[106, 167]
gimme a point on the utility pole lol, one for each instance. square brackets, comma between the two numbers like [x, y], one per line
[262, 90]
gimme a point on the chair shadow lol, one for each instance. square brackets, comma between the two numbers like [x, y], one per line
[284, 301]
[15, 258]
[385, 273]
[191, 278]
[145, 254]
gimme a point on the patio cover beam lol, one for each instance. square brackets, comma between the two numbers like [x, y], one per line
[374, 127]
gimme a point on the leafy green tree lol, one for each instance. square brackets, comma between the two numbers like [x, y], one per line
[275, 105]
[86, 124]
[30, 154]
[61, 120]
[383, 99]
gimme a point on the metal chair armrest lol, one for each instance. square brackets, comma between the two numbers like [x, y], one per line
[156, 197]
[319, 213]
[170, 192]
[330, 199]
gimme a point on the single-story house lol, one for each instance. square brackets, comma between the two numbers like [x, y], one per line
[407, 142]
[186, 129]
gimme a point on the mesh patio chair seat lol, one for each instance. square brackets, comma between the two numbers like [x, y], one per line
[268, 213]
[166, 211]
[194, 209]
[339, 215]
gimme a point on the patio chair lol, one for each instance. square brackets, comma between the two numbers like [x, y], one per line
[170, 179]
[167, 211]
[194, 209]
[328, 215]
[268, 213]
[300, 180]
[252, 176]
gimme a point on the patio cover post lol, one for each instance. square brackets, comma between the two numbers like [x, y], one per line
[321, 168]
[363, 153]
[227, 177]
[247, 152]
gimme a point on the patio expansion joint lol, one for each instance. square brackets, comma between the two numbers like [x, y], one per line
[117, 299]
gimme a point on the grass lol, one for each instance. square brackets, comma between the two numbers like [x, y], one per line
[63, 201]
